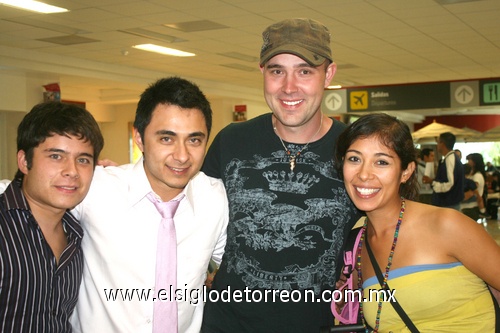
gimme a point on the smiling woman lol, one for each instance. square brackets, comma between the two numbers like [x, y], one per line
[429, 253]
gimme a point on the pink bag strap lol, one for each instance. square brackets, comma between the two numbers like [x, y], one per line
[349, 313]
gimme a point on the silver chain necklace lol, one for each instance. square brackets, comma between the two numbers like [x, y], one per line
[293, 157]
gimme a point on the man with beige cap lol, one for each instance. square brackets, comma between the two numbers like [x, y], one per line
[289, 211]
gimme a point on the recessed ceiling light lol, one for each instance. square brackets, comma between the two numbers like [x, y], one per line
[163, 50]
[193, 26]
[34, 6]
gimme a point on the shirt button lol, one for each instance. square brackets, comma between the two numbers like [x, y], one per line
[148, 321]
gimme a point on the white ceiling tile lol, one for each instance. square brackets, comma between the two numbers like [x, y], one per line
[373, 41]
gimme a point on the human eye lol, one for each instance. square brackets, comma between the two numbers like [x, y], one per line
[85, 160]
[305, 71]
[166, 139]
[351, 158]
[382, 162]
[195, 141]
[54, 156]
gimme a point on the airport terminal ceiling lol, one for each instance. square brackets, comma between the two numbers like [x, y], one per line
[374, 42]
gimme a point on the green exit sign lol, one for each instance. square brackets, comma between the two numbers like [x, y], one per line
[491, 93]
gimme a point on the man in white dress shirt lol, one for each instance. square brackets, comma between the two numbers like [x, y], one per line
[171, 127]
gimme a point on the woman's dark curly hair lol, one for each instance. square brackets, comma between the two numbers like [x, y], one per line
[393, 133]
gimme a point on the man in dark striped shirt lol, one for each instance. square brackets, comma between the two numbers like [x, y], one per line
[41, 260]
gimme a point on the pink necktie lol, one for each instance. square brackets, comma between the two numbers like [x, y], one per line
[165, 312]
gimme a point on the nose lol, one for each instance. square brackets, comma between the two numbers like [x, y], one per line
[289, 84]
[364, 172]
[181, 153]
[71, 170]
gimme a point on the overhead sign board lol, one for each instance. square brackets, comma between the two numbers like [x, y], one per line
[418, 96]
[464, 93]
[334, 101]
[490, 92]
[400, 97]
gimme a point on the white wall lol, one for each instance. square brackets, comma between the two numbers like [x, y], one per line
[20, 92]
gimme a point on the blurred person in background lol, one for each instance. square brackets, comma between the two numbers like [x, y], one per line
[478, 175]
[448, 185]
[425, 168]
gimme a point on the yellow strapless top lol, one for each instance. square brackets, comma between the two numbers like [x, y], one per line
[437, 298]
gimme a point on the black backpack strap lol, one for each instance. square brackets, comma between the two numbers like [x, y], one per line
[394, 303]
[497, 312]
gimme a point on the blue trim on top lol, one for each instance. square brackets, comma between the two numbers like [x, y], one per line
[398, 272]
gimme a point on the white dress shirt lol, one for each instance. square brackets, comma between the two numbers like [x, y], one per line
[479, 180]
[119, 247]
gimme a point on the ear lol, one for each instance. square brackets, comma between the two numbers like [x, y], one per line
[22, 163]
[408, 172]
[138, 140]
[330, 72]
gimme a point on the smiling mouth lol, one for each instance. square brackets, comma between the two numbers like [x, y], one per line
[366, 191]
[292, 103]
[68, 188]
[178, 170]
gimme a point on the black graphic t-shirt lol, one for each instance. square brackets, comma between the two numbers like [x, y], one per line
[286, 230]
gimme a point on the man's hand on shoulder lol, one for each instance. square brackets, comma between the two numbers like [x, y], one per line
[106, 162]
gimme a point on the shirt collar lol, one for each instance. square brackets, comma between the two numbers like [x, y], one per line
[72, 225]
[448, 154]
[15, 200]
[139, 187]
[14, 197]
[188, 192]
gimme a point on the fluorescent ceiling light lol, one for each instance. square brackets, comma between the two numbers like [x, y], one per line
[338, 86]
[34, 6]
[163, 50]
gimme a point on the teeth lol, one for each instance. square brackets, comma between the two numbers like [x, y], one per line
[292, 103]
[68, 188]
[367, 191]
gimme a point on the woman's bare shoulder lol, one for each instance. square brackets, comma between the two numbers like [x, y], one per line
[439, 219]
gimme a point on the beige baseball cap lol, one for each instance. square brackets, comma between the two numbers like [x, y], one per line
[305, 38]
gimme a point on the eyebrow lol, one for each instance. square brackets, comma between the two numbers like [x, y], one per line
[301, 65]
[377, 154]
[62, 151]
[172, 133]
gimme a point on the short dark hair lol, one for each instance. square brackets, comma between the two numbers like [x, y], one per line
[448, 139]
[425, 152]
[50, 118]
[393, 133]
[171, 91]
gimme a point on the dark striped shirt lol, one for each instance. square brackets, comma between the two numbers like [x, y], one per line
[36, 293]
